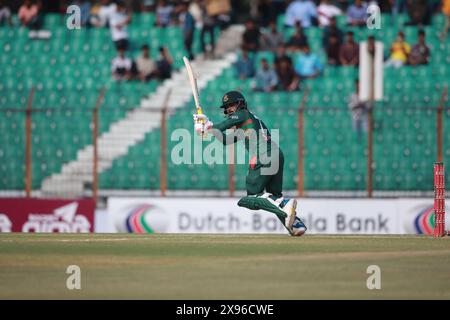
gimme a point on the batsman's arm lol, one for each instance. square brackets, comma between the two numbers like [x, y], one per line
[232, 121]
[229, 123]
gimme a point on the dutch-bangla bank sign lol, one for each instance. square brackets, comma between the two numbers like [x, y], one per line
[215, 215]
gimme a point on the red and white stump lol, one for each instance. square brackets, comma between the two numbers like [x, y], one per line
[439, 200]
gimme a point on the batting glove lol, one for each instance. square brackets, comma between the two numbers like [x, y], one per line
[200, 118]
[201, 123]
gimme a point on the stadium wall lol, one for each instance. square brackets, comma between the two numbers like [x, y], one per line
[215, 215]
[322, 216]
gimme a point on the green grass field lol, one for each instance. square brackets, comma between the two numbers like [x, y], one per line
[123, 266]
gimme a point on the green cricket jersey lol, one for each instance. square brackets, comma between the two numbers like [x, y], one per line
[256, 134]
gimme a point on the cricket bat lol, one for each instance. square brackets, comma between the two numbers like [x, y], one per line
[193, 81]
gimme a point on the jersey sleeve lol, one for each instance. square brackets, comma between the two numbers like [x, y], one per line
[234, 120]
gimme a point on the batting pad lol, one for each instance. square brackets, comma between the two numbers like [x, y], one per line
[256, 203]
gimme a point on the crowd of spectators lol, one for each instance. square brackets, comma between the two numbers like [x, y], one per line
[297, 61]
[143, 68]
[293, 59]
[117, 16]
[339, 46]
[317, 12]
[402, 53]
[189, 16]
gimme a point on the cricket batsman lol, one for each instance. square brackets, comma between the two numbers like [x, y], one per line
[264, 181]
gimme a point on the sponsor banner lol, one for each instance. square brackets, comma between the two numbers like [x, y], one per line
[418, 215]
[321, 216]
[46, 215]
[101, 223]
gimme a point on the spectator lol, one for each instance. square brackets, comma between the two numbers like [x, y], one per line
[288, 80]
[398, 6]
[420, 53]
[333, 51]
[164, 64]
[223, 20]
[326, 11]
[359, 110]
[308, 64]
[5, 14]
[208, 27]
[400, 51]
[263, 16]
[357, 14]
[281, 55]
[266, 79]
[121, 66]
[118, 22]
[418, 12]
[245, 66]
[85, 8]
[433, 7]
[349, 51]
[94, 19]
[329, 31]
[371, 47]
[251, 36]
[272, 39]
[446, 12]
[100, 14]
[146, 67]
[163, 14]
[29, 15]
[277, 7]
[188, 27]
[148, 6]
[299, 40]
[304, 11]
[195, 8]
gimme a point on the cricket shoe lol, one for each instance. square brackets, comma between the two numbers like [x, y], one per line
[298, 228]
[289, 206]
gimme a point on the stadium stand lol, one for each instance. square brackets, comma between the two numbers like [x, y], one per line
[404, 132]
[68, 71]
